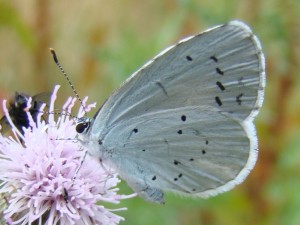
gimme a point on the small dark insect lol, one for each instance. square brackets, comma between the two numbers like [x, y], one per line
[66, 195]
[17, 110]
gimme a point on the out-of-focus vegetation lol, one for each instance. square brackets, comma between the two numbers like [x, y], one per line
[100, 43]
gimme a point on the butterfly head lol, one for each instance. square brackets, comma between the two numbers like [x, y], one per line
[91, 145]
[83, 125]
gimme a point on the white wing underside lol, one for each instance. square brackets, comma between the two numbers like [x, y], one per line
[184, 121]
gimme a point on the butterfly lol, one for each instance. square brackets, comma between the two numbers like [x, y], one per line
[183, 123]
[18, 113]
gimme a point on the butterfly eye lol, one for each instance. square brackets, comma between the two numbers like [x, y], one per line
[82, 127]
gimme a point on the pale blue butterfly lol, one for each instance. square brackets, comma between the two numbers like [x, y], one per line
[184, 121]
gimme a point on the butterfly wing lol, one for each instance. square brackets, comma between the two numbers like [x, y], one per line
[183, 122]
[197, 156]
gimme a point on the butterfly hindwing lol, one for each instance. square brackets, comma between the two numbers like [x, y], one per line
[181, 150]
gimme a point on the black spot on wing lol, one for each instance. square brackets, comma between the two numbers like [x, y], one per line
[183, 118]
[176, 162]
[189, 58]
[134, 131]
[220, 85]
[214, 58]
[218, 100]
[179, 132]
[219, 71]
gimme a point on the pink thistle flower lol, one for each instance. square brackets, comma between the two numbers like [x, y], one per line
[43, 179]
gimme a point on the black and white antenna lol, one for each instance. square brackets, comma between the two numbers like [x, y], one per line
[67, 77]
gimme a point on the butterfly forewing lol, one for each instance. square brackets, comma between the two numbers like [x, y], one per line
[183, 122]
[219, 68]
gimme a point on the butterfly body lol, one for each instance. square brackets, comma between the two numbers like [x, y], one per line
[184, 121]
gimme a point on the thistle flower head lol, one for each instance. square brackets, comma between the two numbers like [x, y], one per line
[44, 179]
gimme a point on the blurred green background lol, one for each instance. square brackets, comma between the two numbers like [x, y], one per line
[100, 43]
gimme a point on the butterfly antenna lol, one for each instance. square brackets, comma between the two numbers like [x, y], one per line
[67, 77]
[75, 118]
